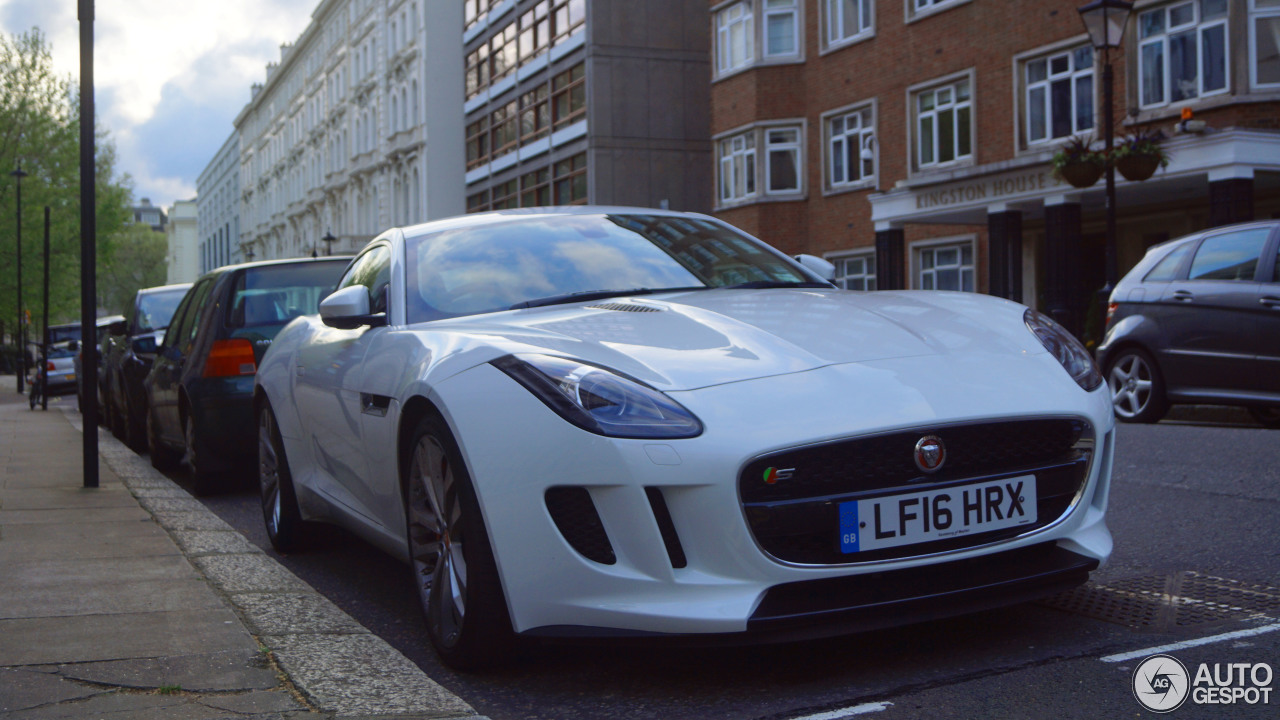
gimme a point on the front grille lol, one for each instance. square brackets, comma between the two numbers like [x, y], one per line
[576, 517]
[795, 518]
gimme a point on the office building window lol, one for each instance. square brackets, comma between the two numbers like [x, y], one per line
[855, 272]
[1059, 95]
[535, 188]
[1182, 52]
[735, 37]
[851, 150]
[505, 129]
[946, 267]
[569, 96]
[478, 142]
[506, 195]
[570, 180]
[478, 202]
[944, 124]
[535, 114]
[846, 20]
[566, 16]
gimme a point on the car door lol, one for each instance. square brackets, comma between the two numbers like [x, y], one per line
[1209, 323]
[1268, 321]
[166, 374]
[327, 389]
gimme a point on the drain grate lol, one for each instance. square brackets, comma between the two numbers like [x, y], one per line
[1160, 603]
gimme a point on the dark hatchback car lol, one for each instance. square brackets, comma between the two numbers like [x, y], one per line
[128, 352]
[1198, 321]
[200, 388]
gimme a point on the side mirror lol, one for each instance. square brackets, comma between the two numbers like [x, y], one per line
[119, 327]
[822, 268]
[348, 309]
[145, 345]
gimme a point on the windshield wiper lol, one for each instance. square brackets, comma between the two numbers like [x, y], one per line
[585, 295]
[757, 284]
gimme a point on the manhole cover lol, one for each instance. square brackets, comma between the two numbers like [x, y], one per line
[1160, 603]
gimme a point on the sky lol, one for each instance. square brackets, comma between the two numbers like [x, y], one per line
[170, 76]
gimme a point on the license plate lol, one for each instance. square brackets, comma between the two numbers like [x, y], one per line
[937, 514]
[71, 378]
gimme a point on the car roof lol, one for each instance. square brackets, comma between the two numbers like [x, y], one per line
[219, 271]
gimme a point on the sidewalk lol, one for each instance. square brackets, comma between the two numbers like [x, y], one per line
[132, 600]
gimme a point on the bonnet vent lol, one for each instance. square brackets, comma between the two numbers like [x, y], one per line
[626, 307]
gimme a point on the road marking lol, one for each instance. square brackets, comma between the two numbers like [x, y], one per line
[1191, 643]
[862, 709]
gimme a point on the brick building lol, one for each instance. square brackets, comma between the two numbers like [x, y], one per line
[910, 141]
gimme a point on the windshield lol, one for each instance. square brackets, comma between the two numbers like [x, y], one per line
[276, 294]
[495, 267]
[63, 333]
[155, 310]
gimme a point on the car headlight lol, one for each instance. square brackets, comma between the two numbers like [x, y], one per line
[1062, 345]
[599, 400]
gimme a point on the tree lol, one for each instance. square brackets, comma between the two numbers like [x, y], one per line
[39, 129]
[138, 259]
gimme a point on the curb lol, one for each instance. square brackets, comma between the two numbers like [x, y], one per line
[334, 662]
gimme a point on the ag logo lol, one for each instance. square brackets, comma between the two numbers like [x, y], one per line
[1161, 683]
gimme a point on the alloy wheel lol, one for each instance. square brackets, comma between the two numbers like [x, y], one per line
[435, 540]
[1131, 382]
[269, 472]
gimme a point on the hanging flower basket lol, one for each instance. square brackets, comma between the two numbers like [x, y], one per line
[1137, 167]
[1138, 156]
[1081, 173]
[1077, 163]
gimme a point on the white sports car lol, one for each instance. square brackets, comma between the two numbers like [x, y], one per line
[629, 422]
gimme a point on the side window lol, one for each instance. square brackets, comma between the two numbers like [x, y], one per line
[179, 317]
[373, 271]
[181, 332]
[1167, 269]
[1230, 256]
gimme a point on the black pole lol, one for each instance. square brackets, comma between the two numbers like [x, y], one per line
[88, 249]
[1109, 125]
[22, 328]
[44, 361]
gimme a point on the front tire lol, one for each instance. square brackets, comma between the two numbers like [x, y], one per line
[275, 483]
[1137, 388]
[454, 572]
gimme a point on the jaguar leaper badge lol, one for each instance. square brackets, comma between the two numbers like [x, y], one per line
[930, 453]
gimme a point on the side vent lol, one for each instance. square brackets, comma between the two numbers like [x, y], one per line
[575, 516]
[668, 529]
[626, 307]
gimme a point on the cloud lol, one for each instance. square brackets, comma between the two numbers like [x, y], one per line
[169, 77]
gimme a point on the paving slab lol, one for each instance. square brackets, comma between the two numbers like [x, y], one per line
[130, 597]
[72, 517]
[65, 498]
[41, 641]
[21, 689]
[226, 671]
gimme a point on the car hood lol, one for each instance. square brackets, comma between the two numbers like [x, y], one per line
[690, 340]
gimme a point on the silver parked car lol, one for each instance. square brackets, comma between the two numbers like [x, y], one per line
[1198, 321]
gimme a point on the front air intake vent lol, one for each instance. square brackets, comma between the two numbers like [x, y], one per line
[662, 515]
[626, 307]
[575, 516]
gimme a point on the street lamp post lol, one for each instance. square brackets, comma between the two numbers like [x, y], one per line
[22, 329]
[328, 242]
[1105, 20]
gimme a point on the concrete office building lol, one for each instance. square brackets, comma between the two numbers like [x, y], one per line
[357, 128]
[586, 101]
[218, 208]
[910, 141]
